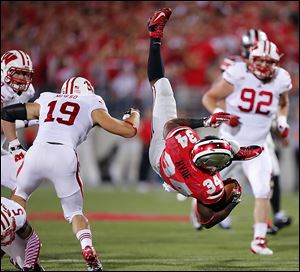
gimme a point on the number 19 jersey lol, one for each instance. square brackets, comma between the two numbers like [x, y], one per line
[179, 171]
[66, 118]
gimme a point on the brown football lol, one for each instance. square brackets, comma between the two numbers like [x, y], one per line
[227, 197]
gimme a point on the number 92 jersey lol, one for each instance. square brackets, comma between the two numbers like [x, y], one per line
[179, 171]
[66, 118]
[254, 101]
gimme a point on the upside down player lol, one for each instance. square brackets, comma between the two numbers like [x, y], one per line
[64, 122]
[254, 91]
[187, 164]
[18, 238]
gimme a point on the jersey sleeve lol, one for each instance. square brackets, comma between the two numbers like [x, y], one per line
[98, 103]
[285, 81]
[174, 131]
[231, 73]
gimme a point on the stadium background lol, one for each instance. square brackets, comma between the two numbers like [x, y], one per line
[107, 42]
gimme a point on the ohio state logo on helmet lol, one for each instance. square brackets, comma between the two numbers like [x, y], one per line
[16, 70]
[263, 60]
[77, 85]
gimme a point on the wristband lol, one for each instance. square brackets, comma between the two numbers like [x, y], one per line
[216, 110]
[14, 143]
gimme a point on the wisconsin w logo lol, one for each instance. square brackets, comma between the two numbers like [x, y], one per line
[8, 57]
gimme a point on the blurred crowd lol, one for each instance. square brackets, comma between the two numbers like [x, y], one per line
[107, 42]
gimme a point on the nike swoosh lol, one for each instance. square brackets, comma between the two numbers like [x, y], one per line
[161, 14]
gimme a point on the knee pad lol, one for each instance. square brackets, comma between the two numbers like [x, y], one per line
[163, 87]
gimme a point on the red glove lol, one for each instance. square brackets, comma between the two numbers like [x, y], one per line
[217, 119]
[234, 121]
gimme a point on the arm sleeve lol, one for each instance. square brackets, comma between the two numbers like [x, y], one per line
[14, 112]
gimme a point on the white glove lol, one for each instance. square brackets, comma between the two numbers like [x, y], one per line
[283, 126]
[128, 114]
[18, 152]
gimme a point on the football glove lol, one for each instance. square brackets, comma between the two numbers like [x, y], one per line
[18, 152]
[282, 126]
[234, 121]
[217, 119]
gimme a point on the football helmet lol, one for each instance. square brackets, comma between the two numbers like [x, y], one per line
[263, 59]
[16, 70]
[212, 154]
[78, 86]
[250, 38]
[8, 226]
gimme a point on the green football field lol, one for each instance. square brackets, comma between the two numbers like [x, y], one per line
[169, 244]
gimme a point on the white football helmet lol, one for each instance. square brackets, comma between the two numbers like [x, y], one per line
[212, 154]
[8, 226]
[16, 70]
[263, 60]
[250, 38]
[77, 85]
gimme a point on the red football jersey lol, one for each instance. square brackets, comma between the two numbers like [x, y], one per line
[179, 171]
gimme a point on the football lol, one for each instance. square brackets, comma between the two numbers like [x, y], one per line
[229, 185]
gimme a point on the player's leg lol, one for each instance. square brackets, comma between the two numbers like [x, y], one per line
[8, 172]
[69, 189]
[164, 105]
[258, 172]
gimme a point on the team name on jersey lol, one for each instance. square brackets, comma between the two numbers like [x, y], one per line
[67, 96]
[183, 169]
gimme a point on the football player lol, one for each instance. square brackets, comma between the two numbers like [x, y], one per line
[16, 87]
[16, 228]
[187, 164]
[64, 122]
[250, 38]
[254, 91]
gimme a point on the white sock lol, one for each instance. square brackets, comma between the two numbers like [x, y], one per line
[260, 230]
[85, 238]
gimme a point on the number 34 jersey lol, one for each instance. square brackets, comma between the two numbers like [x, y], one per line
[254, 101]
[66, 118]
[178, 170]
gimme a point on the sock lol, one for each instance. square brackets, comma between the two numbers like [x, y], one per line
[260, 230]
[155, 65]
[32, 250]
[85, 238]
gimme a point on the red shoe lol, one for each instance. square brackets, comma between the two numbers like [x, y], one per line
[248, 153]
[90, 256]
[158, 21]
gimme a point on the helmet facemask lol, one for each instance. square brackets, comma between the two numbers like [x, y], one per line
[212, 154]
[19, 79]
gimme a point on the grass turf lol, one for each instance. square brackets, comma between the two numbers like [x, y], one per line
[160, 246]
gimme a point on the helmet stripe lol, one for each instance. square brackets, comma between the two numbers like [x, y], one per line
[4, 217]
[66, 90]
[72, 85]
[21, 53]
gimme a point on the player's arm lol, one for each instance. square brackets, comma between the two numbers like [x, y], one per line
[126, 128]
[218, 91]
[10, 114]
[214, 121]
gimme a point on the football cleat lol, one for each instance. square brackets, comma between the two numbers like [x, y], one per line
[272, 230]
[157, 22]
[259, 246]
[282, 220]
[14, 263]
[36, 267]
[90, 256]
[247, 153]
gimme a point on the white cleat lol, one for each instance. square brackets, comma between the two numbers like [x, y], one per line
[259, 246]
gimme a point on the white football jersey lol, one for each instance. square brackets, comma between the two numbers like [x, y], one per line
[17, 211]
[66, 118]
[10, 97]
[254, 102]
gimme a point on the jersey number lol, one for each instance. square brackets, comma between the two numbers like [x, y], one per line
[68, 108]
[212, 184]
[183, 140]
[248, 96]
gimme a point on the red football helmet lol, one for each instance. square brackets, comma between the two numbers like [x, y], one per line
[16, 70]
[263, 60]
[8, 226]
[212, 154]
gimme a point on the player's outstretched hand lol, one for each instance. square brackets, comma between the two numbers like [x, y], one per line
[217, 119]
